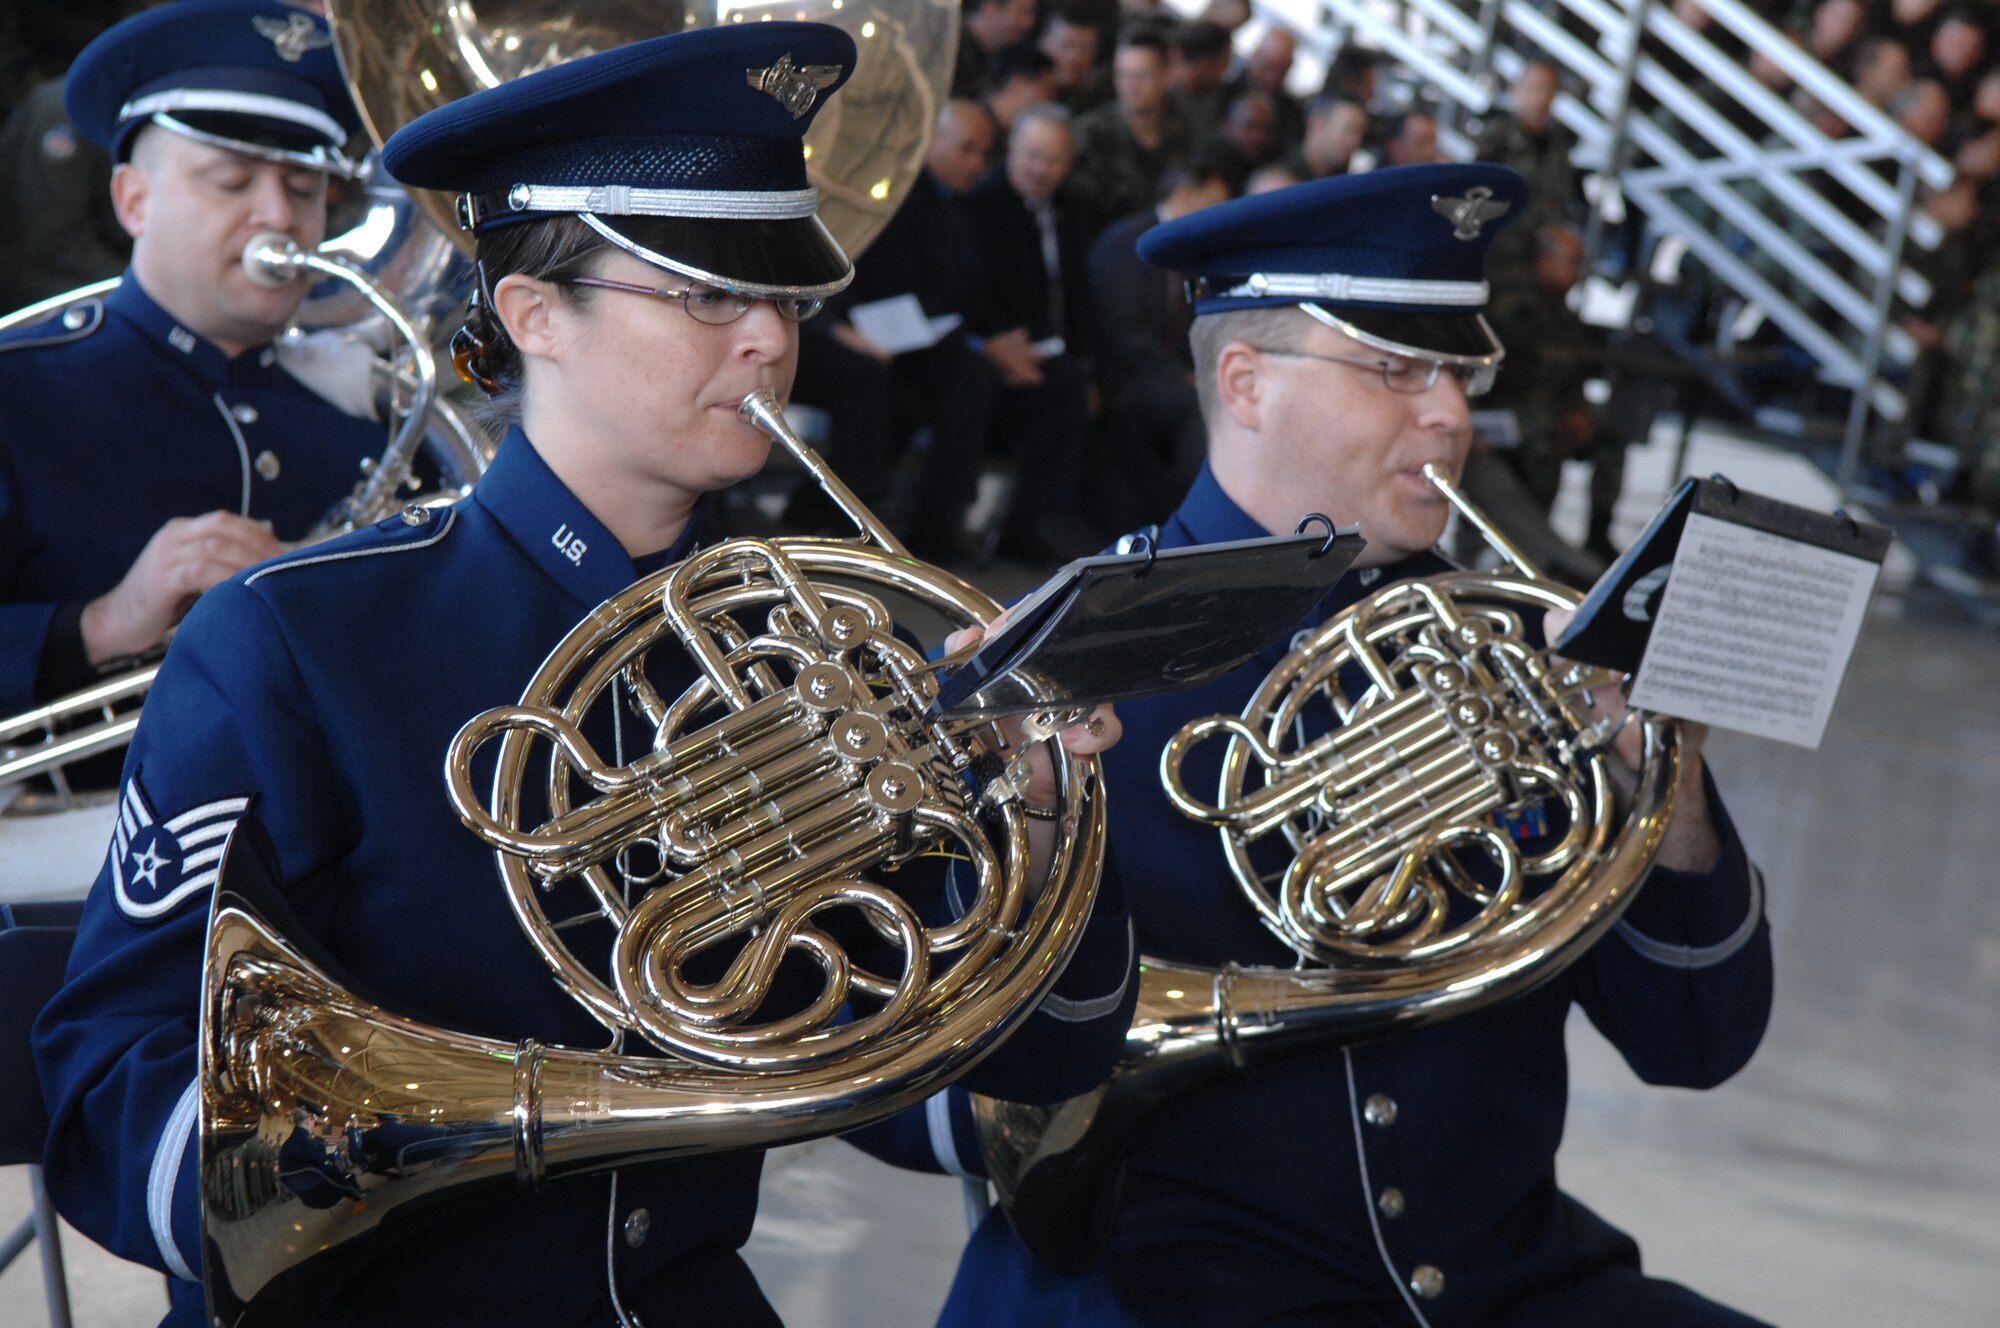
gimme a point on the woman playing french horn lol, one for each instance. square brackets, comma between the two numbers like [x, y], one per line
[318, 695]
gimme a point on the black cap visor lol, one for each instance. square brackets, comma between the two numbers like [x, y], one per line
[794, 256]
[253, 136]
[1451, 338]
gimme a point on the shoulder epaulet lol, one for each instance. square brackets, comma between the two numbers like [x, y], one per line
[75, 323]
[415, 527]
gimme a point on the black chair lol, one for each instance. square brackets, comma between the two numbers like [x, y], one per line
[34, 947]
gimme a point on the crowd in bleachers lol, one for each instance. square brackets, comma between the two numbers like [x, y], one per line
[1043, 345]
[1932, 66]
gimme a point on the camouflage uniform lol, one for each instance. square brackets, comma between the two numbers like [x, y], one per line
[1968, 412]
[1113, 176]
[57, 227]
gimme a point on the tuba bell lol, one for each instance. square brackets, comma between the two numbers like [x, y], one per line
[1446, 718]
[767, 805]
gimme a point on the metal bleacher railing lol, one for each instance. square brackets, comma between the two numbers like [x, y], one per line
[1810, 229]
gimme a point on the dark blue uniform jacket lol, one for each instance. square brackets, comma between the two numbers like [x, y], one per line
[1264, 1194]
[322, 691]
[125, 419]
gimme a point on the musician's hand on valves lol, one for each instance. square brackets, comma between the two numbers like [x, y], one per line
[184, 557]
[1097, 733]
[1692, 841]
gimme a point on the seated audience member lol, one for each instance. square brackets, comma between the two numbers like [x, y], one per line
[1527, 137]
[1122, 148]
[1551, 353]
[1956, 54]
[1152, 419]
[1266, 69]
[1278, 175]
[1412, 140]
[1968, 409]
[1017, 77]
[1351, 75]
[929, 250]
[1071, 41]
[1197, 70]
[1031, 319]
[1335, 130]
[1247, 139]
[987, 26]
[1881, 69]
[58, 229]
[1978, 148]
[1833, 29]
[1923, 111]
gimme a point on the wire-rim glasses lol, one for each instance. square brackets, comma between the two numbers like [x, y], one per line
[1407, 376]
[714, 305]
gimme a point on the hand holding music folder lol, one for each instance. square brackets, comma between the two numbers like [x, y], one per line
[1118, 626]
[1733, 609]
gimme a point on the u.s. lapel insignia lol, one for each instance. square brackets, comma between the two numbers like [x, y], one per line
[794, 87]
[1467, 215]
[292, 36]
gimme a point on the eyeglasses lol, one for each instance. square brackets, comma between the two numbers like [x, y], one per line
[713, 305]
[1407, 376]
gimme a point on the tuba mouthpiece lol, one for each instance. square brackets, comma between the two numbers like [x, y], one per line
[271, 259]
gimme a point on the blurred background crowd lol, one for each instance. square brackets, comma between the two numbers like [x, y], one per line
[1004, 326]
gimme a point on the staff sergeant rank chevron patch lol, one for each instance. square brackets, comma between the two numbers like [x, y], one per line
[155, 866]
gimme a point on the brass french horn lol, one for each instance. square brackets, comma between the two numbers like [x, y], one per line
[1446, 716]
[772, 793]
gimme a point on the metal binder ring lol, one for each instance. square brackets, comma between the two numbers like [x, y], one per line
[1332, 532]
[1145, 540]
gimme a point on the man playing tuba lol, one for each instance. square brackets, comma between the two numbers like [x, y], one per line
[154, 442]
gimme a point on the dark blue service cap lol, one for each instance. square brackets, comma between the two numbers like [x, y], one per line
[1395, 258]
[251, 76]
[685, 150]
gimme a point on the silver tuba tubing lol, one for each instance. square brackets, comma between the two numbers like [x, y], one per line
[797, 764]
[271, 259]
[1456, 719]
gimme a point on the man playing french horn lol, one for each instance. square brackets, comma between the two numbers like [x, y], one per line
[1407, 1179]
[647, 243]
[153, 443]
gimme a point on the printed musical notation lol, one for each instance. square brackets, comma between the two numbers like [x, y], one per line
[1755, 632]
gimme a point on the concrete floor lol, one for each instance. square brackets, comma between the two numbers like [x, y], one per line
[1849, 1176]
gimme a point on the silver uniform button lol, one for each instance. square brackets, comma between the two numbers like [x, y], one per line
[245, 413]
[1390, 1201]
[1427, 1281]
[416, 514]
[637, 1223]
[267, 464]
[1379, 1110]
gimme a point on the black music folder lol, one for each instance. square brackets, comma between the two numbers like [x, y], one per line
[1118, 626]
[1615, 621]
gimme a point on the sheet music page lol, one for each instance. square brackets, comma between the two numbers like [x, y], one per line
[899, 324]
[1755, 632]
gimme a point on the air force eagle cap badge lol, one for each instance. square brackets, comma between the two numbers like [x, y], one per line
[793, 87]
[1469, 213]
